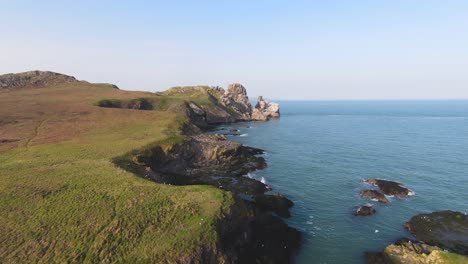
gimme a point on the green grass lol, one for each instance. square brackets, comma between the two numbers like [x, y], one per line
[452, 258]
[64, 200]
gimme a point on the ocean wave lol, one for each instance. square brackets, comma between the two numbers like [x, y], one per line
[243, 135]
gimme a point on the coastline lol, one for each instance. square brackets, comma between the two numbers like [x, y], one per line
[251, 230]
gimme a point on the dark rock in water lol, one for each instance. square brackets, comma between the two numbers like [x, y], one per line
[255, 151]
[364, 210]
[374, 195]
[445, 229]
[276, 203]
[390, 187]
[234, 130]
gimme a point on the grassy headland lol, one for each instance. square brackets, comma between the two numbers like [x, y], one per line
[63, 200]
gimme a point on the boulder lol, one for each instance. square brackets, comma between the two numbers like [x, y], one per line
[365, 210]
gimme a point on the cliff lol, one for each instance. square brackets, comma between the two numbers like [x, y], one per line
[223, 106]
[85, 144]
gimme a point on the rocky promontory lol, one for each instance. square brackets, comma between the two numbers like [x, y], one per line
[224, 106]
[252, 230]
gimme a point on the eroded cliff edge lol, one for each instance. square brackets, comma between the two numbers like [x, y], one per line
[251, 229]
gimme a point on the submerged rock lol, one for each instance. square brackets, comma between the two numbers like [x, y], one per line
[390, 188]
[374, 195]
[445, 229]
[364, 210]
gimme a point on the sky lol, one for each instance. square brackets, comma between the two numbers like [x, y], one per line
[284, 50]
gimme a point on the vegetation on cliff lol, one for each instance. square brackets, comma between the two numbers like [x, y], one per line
[64, 199]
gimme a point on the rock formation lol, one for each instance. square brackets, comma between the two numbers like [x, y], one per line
[265, 110]
[33, 79]
[236, 98]
[445, 229]
[365, 210]
[442, 237]
[375, 195]
[406, 251]
[249, 232]
[390, 188]
[226, 106]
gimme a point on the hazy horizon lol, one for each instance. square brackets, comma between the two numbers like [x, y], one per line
[299, 50]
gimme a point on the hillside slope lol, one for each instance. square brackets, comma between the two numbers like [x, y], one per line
[63, 199]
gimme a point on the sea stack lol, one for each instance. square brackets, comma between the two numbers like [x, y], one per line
[265, 110]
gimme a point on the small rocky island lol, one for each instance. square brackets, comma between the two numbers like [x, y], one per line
[442, 237]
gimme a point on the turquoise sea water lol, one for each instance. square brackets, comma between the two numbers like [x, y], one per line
[319, 153]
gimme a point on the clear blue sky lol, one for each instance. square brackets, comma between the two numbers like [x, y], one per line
[282, 49]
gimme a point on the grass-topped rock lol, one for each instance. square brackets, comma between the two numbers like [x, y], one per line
[445, 229]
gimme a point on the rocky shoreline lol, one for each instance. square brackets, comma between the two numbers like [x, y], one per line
[252, 230]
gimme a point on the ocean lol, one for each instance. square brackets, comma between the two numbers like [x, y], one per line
[320, 152]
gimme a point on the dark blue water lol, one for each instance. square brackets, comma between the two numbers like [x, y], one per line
[319, 153]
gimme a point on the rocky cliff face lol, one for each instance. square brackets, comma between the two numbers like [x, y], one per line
[248, 231]
[33, 79]
[236, 98]
[226, 106]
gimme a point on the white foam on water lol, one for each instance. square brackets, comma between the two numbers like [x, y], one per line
[263, 180]
[376, 231]
[411, 193]
[243, 135]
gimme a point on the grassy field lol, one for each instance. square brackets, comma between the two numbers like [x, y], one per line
[63, 200]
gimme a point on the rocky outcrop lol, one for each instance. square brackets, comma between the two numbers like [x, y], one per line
[274, 202]
[375, 195]
[390, 188]
[236, 98]
[248, 232]
[226, 106]
[265, 110]
[364, 210]
[442, 237]
[445, 229]
[33, 79]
